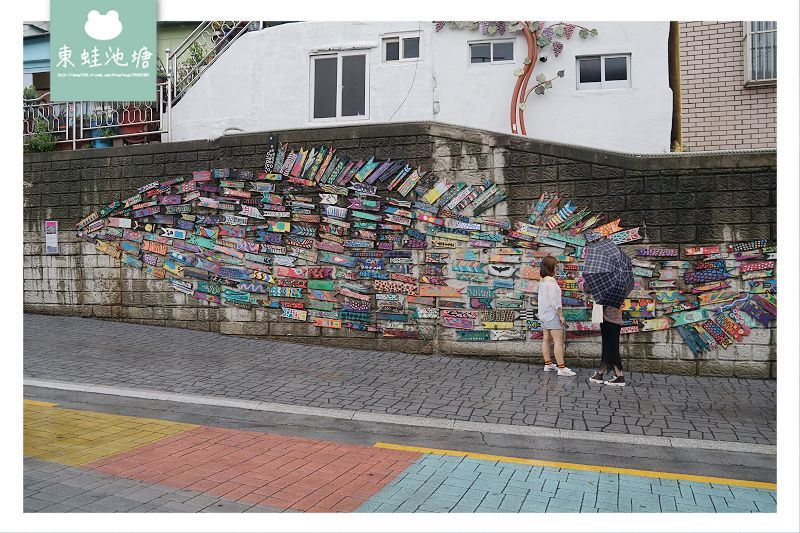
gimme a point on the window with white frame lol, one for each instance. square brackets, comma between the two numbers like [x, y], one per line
[761, 51]
[491, 52]
[399, 48]
[611, 71]
[339, 86]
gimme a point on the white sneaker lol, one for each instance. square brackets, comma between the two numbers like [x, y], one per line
[566, 372]
[550, 368]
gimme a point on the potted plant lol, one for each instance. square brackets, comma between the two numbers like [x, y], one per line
[188, 68]
[41, 140]
[102, 127]
[161, 72]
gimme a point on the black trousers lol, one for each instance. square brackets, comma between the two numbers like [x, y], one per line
[610, 358]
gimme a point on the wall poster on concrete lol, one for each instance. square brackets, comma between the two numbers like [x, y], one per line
[50, 237]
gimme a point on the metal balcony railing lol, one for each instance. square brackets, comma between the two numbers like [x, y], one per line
[96, 124]
[74, 125]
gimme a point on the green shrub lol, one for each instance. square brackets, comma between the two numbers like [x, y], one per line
[29, 93]
[41, 140]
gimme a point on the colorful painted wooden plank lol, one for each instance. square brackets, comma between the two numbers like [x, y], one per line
[754, 266]
[624, 236]
[292, 282]
[582, 326]
[717, 297]
[747, 246]
[503, 271]
[288, 272]
[325, 296]
[480, 303]
[233, 273]
[327, 322]
[705, 276]
[701, 250]
[337, 259]
[286, 292]
[642, 272]
[607, 229]
[182, 258]
[425, 313]
[689, 317]
[173, 268]
[174, 233]
[455, 318]
[502, 283]
[762, 286]
[575, 240]
[320, 272]
[393, 286]
[655, 324]
[472, 336]
[323, 285]
[250, 286]
[757, 274]
[294, 314]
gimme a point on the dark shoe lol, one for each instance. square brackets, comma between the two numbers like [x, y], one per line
[597, 377]
[618, 381]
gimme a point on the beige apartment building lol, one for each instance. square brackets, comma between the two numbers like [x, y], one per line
[728, 85]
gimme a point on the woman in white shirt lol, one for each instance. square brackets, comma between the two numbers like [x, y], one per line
[552, 318]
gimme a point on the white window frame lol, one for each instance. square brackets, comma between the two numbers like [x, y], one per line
[748, 44]
[491, 43]
[338, 56]
[399, 38]
[603, 84]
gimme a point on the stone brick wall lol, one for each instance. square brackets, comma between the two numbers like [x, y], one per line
[678, 200]
[718, 111]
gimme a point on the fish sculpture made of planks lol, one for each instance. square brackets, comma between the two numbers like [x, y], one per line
[388, 238]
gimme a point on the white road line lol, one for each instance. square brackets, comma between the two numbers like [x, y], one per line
[403, 420]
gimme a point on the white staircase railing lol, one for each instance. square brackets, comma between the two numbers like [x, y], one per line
[200, 49]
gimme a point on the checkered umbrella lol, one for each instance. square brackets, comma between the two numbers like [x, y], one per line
[607, 273]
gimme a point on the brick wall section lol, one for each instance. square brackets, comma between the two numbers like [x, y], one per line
[682, 200]
[718, 111]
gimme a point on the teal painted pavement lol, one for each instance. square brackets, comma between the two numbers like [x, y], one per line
[448, 484]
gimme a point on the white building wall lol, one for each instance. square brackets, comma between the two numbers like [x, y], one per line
[636, 119]
[262, 83]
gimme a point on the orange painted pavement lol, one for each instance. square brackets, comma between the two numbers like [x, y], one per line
[257, 468]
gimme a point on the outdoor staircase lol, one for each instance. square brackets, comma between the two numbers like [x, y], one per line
[200, 49]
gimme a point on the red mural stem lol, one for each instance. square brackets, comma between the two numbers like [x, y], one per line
[533, 51]
[515, 95]
[522, 82]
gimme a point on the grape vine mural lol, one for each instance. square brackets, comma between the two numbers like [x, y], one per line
[538, 36]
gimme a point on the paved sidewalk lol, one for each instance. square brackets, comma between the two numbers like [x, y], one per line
[175, 360]
[86, 461]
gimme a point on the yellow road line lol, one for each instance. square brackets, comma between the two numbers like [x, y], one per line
[38, 403]
[579, 466]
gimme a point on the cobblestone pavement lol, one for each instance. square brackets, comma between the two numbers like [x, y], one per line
[85, 461]
[443, 484]
[176, 360]
[51, 487]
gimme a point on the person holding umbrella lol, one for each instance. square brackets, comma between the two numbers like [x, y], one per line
[608, 278]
